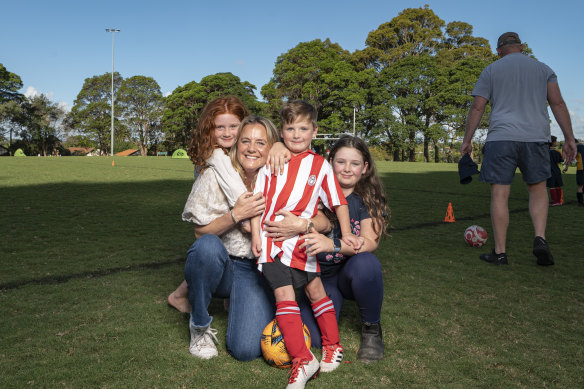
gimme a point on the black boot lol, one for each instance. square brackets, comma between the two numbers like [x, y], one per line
[580, 199]
[371, 343]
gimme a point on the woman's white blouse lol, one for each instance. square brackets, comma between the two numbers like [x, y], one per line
[207, 202]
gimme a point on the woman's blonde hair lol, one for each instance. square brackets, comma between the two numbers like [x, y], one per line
[271, 135]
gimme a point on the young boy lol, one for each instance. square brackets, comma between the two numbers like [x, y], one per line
[555, 182]
[579, 172]
[307, 179]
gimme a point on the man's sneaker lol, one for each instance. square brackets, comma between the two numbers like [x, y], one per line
[202, 345]
[542, 251]
[302, 371]
[495, 259]
[332, 355]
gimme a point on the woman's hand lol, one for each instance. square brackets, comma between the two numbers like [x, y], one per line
[278, 156]
[248, 205]
[286, 228]
[315, 243]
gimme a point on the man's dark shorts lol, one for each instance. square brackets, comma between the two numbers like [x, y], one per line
[277, 274]
[579, 177]
[502, 158]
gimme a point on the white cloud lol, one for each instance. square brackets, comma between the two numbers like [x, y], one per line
[166, 94]
[31, 91]
[64, 106]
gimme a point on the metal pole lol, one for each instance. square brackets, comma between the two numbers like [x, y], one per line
[113, 31]
[354, 133]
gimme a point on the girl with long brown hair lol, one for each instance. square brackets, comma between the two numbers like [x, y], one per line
[344, 273]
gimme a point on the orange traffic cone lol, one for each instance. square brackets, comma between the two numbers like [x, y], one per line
[113, 163]
[449, 218]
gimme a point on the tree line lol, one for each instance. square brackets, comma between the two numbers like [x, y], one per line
[409, 89]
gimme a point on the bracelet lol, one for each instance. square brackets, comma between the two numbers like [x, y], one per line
[233, 217]
[337, 244]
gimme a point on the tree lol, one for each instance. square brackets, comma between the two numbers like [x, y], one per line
[462, 57]
[10, 101]
[415, 31]
[321, 73]
[40, 123]
[406, 44]
[426, 74]
[91, 112]
[411, 84]
[183, 106]
[141, 102]
[10, 83]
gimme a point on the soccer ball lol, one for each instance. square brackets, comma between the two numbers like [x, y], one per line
[273, 347]
[475, 236]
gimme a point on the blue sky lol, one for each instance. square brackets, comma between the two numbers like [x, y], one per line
[54, 45]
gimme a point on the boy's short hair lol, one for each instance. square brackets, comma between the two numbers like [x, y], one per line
[295, 109]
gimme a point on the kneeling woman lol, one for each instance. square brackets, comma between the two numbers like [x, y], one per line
[220, 263]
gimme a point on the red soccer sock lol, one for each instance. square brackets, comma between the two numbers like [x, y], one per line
[326, 318]
[553, 195]
[290, 323]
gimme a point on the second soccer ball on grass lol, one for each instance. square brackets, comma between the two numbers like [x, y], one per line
[475, 236]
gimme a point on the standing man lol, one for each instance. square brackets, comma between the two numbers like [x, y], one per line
[519, 133]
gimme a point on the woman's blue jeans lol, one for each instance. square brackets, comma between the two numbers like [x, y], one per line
[209, 273]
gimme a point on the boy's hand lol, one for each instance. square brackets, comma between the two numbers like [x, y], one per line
[256, 245]
[315, 243]
[353, 241]
[278, 156]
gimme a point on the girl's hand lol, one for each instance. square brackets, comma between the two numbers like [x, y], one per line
[315, 243]
[248, 205]
[245, 226]
[256, 245]
[353, 241]
[286, 228]
[362, 240]
[278, 156]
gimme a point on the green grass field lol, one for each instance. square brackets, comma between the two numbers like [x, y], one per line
[89, 253]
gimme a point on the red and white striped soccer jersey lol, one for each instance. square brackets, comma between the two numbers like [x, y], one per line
[307, 178]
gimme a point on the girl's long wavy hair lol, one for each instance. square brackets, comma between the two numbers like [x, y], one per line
[369, 187]
[203, 141]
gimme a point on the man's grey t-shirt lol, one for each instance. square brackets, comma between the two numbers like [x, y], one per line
[516, 86]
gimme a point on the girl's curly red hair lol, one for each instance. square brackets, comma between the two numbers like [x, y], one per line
[202, 141]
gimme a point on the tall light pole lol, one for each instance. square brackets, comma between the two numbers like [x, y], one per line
[113, 31]
[354, 113]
